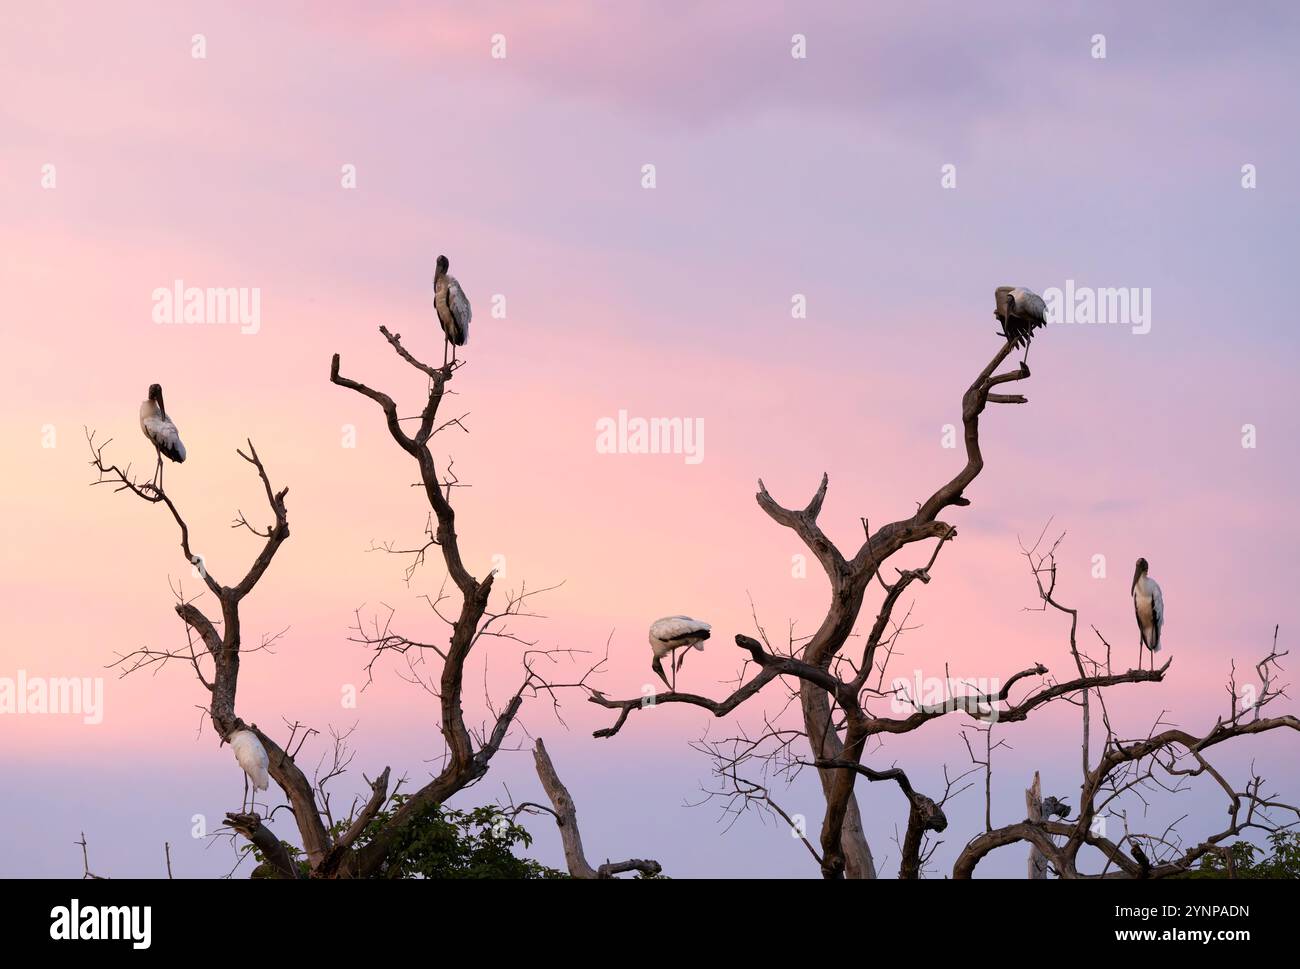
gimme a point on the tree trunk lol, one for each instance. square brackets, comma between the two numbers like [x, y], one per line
[825, 744]
[1034, 804]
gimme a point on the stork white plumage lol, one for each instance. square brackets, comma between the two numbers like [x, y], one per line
[1149, 604]
[160, 431]
[251, 756]
[673, 633]
[1020, 311]
[453, 309]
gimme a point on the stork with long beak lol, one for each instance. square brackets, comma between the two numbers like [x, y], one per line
[1020, 311]
[453, 309]
[1149, 604]
[160, 431]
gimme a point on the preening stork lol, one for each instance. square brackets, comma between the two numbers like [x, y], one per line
[673, 633]
[1149, 603]
[453, 309]
[252, 758]
[160, 431]
[1020, 311]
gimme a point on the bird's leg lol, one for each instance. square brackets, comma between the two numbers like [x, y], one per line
[244, 803]
[681, 657]
[445, 344]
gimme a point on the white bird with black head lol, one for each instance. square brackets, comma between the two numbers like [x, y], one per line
[1020, 311]
[160, 431]
[251, 756]
[1149, 604]
[453, 309]
[670, 634]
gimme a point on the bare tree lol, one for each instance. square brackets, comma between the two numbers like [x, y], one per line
[565, 813]
[334, 847]
[466, 610]
[1160, 762]
[837, 691]
[219, 647]
[840, 692]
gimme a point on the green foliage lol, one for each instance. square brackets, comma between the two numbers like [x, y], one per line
[1250, 861]
[443, 842]
[440, 842]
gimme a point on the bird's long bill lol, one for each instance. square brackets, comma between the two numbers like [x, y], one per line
[1137, 574]
[1000, 297]
[658, 667]
[162, 411]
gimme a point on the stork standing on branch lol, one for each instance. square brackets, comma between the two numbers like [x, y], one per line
[160, 431]
[453, 309]
[251, 756]
[673, 633]
[1020, 311]
[1149, 603]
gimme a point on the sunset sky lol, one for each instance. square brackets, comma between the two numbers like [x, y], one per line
[774, 176]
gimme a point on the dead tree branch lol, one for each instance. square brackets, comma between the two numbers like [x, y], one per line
[566, 819]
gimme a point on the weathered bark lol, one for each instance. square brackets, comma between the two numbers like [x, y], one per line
[278, 862]
[826, 745]
[1034, 805]
[566, 819]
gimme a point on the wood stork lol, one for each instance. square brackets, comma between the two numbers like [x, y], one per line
[453, 309]
[672, 633]
[251, 756]
[1020, 311]
[1149, 603]
[1055, 806]
[160, 431]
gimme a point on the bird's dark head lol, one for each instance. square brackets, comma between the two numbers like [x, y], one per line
[155, 395]
[443, 264]
[1139, 571]
[1001, 301]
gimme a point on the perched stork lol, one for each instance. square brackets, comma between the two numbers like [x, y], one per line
[672, 633]
[1020, 311]
[1055, 806]
[252, 758]
[453, 309]
[160, 431]
[1149, 603]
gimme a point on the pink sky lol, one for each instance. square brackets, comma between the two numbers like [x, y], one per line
[775, 177]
